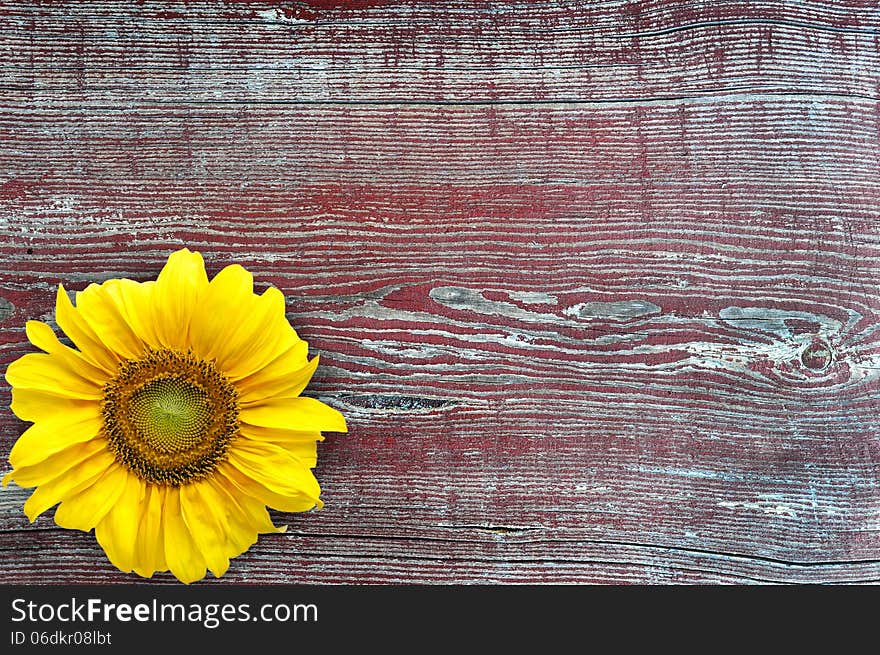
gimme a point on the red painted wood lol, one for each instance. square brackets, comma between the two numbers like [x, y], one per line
[596, 284]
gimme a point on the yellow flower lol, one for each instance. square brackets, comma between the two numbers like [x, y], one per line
[175, 421]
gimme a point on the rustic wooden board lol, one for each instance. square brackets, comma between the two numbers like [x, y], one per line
[595, 283]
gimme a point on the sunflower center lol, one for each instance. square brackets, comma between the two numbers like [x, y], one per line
[170, 416]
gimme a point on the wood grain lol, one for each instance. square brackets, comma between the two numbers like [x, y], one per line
[595, 284]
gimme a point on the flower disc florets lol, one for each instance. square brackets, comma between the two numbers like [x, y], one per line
[169, 417]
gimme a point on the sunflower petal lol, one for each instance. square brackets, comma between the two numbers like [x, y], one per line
[79, 477]
[276, 380]
[117, 531]
[257, 516]
[150, 547]
[279, 435]
[178, 289]
[238, 533]
[98, 308]
[230, 293]
[206, 531]
[300, 414]
[248, 516]
[75, 327]
[134, 300]
[44, 338]
[34, 405]
[302, 445]
[290, 484]
[274, 467]
[59, 464]
[181, 553]
[84, 510]
[305, 451]
[288, 363]
[255, 489]
[54, 433]
[48, 374]
[267, 335]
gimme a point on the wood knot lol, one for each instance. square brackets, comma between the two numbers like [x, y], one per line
[817, 356]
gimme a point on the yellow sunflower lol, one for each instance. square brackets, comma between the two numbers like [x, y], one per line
[174, 423]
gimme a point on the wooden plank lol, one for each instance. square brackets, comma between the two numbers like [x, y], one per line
[436, 52]
[596, 285]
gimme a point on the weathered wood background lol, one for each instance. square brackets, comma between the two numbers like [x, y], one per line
[595, 283]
